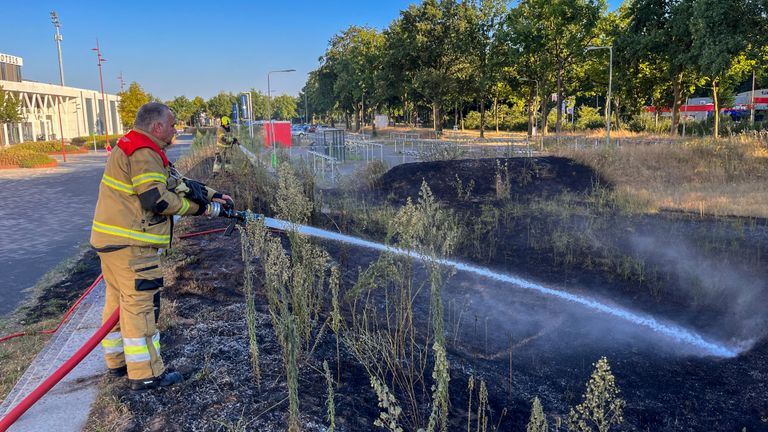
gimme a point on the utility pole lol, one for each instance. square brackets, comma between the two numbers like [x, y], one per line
[103, 95]
[58, 38]
[752, 101]
[306, 108]
[122, 82]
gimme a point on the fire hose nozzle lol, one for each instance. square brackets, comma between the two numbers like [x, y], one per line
[237, 216]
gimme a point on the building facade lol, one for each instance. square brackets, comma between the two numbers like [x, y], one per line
[50, 111]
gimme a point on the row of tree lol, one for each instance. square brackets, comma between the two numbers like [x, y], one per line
[189, 111]
[456, 55]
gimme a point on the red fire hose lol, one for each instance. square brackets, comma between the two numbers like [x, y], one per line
[52, 380]
[73, 361]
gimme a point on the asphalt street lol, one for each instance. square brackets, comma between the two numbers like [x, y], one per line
[45, 216]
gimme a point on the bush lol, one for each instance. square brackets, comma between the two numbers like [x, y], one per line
[646, 122]
[47, 147]
[22, 157]
[588, 117]
[472, 120]
[87, 141]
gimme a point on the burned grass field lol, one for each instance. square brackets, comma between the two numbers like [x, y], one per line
[280, 331]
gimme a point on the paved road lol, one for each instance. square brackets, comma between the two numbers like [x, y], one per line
[45, 215]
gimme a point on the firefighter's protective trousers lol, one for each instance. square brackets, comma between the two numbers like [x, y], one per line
[134, 279]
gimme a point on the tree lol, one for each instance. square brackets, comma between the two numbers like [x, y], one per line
[434, 33]
[130, 102]
[602, 407]
[537, 421]
[183, 108]
[221, 104]
[484, 54]
[9, 108]
[284, 107]
[719, 29]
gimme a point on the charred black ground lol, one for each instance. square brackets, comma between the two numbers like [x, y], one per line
[550, 346]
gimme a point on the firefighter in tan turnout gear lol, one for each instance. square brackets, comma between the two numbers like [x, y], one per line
[225, 139]
[139, 195]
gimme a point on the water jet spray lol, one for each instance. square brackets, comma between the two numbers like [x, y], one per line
[670, 330]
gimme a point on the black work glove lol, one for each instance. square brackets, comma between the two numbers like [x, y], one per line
[197, 192]
[228, 204]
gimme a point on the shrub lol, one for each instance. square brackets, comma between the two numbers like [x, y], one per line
[47, 147]
[23, 158]
[87, 141]
[588, 117]
[602, 407]
[472, 120]
[646, 122]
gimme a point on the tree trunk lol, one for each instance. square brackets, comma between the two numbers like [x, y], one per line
[455, 114]
[482, 118]
[496, 112]
[559, 107]
[437, 117]
[677, 89]
[461, 117]
[357, 118]
[717, 109]
[616, 112]
[544, 117]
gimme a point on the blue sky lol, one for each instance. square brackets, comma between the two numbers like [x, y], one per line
[183, 47]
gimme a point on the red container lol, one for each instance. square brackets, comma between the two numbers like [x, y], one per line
[282, 134]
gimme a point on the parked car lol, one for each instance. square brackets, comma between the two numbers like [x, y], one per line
[298, 130]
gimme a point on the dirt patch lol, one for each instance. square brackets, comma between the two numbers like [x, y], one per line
[521, 342]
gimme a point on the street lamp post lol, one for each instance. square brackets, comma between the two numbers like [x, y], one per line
[269, 113]
[103, 96]
[610, 80]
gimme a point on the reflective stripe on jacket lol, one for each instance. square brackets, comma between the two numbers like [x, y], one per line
[134, 202]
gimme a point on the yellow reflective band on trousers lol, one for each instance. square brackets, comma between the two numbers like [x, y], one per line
[131, 234]
[117, 185]
[149, 177]
[136, 349]
[113, 343]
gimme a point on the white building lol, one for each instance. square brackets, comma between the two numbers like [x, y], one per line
[82, 111]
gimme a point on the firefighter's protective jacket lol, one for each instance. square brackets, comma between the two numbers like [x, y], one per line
[136, 202]
[224, 139]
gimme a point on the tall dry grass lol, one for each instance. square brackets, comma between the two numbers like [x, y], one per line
[724, 177]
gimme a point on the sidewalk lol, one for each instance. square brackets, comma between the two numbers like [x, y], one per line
[67, 405]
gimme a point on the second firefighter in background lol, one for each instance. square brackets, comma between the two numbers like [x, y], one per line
[225, 139]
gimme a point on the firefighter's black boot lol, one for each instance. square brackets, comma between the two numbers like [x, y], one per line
[118, 372]
[167, 379]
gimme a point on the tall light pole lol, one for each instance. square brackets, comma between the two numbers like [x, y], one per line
[103, 96]
[535, 111]
[269, 113]
[58, 38]
[610, 80]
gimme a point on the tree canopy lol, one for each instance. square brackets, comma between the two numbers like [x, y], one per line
[467, 55]
[130, 102]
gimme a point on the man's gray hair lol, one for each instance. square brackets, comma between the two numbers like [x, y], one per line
[150, 113]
